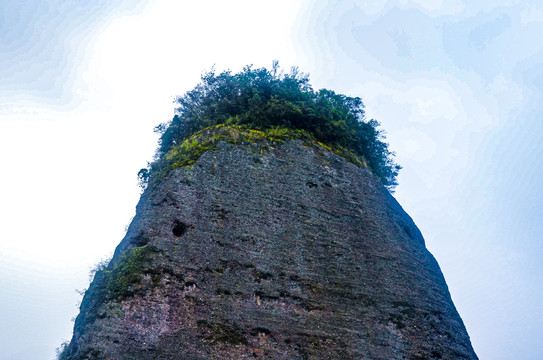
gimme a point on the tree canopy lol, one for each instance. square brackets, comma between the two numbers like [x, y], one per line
[263, 99]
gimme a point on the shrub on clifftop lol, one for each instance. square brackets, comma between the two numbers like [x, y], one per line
[263, 99]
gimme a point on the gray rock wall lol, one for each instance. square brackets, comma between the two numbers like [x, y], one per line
[290, 254]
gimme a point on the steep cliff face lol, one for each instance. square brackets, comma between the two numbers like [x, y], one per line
[270, 251]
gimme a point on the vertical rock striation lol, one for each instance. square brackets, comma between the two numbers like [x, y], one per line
[288, 253]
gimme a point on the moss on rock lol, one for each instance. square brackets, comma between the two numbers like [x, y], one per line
[189, 151]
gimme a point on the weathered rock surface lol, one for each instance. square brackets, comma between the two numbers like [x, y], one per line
[291, 254]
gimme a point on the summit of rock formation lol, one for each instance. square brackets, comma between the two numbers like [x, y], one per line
[266, 231]
[270, 250]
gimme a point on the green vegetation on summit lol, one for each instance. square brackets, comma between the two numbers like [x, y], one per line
[263, 99]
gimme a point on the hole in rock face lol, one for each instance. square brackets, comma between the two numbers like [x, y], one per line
[179, 228]
[260, 330]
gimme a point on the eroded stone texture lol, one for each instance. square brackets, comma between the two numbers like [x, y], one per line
[290, 254]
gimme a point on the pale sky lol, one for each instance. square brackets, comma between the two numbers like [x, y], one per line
[457, 87]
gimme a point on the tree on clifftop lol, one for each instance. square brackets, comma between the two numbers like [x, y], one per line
[263, 99]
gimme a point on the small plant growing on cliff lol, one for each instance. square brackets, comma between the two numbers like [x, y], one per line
[62, 351]
[264, 99]
[99, 266]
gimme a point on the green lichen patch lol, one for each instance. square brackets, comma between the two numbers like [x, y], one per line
[120, 282]
[189, 151]
[117, 281]
[343, 152]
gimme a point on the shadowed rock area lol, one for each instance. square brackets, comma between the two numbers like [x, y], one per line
[290, 252]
